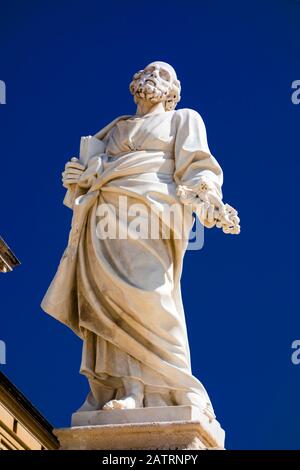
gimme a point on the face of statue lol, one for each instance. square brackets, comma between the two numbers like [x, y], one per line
[156, 83]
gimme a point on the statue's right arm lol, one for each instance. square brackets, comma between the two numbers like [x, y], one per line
[73, 171]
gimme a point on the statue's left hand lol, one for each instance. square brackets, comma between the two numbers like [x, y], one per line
[210, 208]
[212, 211]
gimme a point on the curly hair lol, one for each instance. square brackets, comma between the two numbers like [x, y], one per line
[169, 100]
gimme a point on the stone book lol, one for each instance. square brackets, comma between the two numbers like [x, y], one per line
[89, 147]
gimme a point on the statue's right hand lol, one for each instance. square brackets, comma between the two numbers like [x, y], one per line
[72, 173]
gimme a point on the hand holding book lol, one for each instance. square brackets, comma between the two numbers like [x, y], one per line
[89, 147]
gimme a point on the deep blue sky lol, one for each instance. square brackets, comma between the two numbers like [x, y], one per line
[67, 66]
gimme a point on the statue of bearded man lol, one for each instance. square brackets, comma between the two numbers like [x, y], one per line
[122, 295]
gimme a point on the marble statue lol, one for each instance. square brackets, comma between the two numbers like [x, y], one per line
[121, 295]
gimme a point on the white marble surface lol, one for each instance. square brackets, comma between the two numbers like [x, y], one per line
[185, 435]
[123, 296]
[137, 415]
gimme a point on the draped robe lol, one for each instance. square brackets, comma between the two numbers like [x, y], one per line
[123, 296]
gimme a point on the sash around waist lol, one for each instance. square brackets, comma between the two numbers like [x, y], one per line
[137, 162]
[107, 168]
[166, 154]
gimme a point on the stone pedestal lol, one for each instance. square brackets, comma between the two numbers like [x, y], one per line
[161, 428]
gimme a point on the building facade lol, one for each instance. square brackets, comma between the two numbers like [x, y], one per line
[22, 427]
[8, 260]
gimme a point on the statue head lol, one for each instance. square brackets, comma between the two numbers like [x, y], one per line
[156, 83]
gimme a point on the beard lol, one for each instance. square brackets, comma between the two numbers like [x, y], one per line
[154, 92]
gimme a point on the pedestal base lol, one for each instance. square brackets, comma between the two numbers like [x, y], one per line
[178, 427]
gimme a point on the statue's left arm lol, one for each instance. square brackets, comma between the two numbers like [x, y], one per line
[199, 176]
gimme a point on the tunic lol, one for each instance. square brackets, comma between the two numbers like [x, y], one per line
[122, 295]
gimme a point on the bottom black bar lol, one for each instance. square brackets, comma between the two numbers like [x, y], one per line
[134, 459]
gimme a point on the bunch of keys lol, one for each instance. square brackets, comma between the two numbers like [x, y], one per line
[225, 216]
